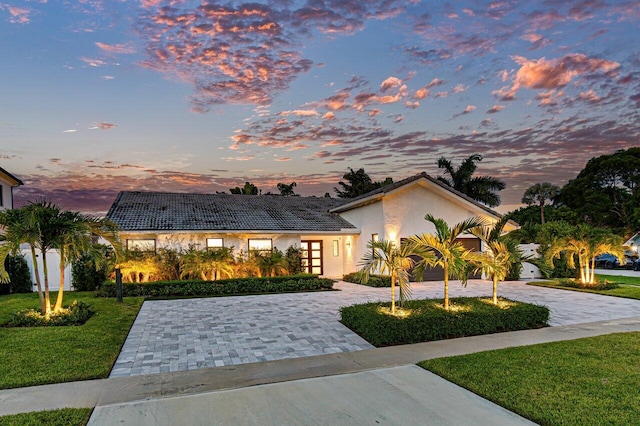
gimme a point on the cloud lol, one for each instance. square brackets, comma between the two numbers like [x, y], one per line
[469, 109]
[245, 53]
[120, 49]
[18, 15]
[329, 115]
[93, 62]
[495, 108]
[390, 83]
[555, 73]
[283, 159]
[589, 96]
[421, 93]
[106, 126]
[69, 131]
[301, 113]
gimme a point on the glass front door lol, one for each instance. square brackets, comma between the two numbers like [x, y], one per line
[311, 257]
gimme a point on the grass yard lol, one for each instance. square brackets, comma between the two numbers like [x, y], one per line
[627, 291]
[42, 355]
[620, 279]
[577, 382]
[64, 417]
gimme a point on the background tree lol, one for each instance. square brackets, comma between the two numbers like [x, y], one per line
[450, 254]
[539, 194]
[483, 189]
[358, 183]
[247, 189]
[287, 190]
[385, 258]
[19, 274]
[606, 193]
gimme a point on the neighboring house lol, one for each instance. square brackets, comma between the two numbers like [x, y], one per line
[7, 183]
[633, 244]
[333, 233]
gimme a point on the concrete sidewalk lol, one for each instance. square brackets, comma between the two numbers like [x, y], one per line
[397, 395]
[121, 390]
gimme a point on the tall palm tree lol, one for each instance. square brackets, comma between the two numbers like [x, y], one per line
[19, 226]
[483, 188]
[586, 244]
[539, 194]
[500, 253]
[450, 254]
[385, 258]
[74, 239]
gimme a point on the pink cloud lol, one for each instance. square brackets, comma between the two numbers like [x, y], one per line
[390, 83]
[301, 113]
[495, 108]
[19, 15]
[283, 159]
[116, 48]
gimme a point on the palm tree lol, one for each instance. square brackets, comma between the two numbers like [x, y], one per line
[483, 189]
[358, 183]
[500, 254]
[450, 254]
[272, 263]
[539, 194]
[74, 239]
[20, 227]
[384, 257]
[586, 244]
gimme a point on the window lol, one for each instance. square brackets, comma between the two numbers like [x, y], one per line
[262, 245]
[142, 245]
[214, 243]
[336, 248]
[374, 238]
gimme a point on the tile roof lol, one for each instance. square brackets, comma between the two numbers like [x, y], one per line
[161, 211]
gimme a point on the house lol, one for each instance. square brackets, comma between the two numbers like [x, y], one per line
[7, 183]
[631, 245]
[333, 233]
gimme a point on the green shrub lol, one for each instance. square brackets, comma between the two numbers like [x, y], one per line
[221, 287]
[374, 280]
[86, 276]
[426, 320]
[294, 260]
[573, 283]
[19, 275]
[76, 314]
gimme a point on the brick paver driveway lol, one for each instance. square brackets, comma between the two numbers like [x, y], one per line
[186, 334]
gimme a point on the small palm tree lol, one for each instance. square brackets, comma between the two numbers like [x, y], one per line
[500, 254]
[586, 244]
[271, 263]
[385, 258]
[450, 254]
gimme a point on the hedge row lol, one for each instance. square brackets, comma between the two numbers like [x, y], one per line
[374, 280]
[426, 320]
[220, 287]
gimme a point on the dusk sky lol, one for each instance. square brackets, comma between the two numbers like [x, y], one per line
[100, 96]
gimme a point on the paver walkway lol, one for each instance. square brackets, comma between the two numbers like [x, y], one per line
[187, 334]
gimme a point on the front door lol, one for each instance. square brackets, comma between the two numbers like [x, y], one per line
[311, 257]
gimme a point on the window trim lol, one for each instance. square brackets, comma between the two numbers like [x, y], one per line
[155, 244]
[250, 250]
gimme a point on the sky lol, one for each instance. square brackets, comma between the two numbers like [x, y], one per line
[101, 96]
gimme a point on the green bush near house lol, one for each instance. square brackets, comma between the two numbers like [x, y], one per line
[374, 280]
[426, 320]
[19, 275]
[233, 286]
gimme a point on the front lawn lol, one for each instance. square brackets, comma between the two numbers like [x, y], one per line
[623, 290]
[426, 320]
[41, 355]
[620, 279]
[63, 417]
[576, 382]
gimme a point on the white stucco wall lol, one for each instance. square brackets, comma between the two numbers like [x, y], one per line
[400, 214]
[332, 265]
[239, 241]
[7, 199]
[530, 271]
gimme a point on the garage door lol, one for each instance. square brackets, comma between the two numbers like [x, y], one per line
[437, 273]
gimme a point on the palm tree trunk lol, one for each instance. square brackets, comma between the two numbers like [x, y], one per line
[593, 270]
[542, 213]
[61, 289]
[47, 299]
[36, 272]
[393, 292]
[495, 290]
[446, 286]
